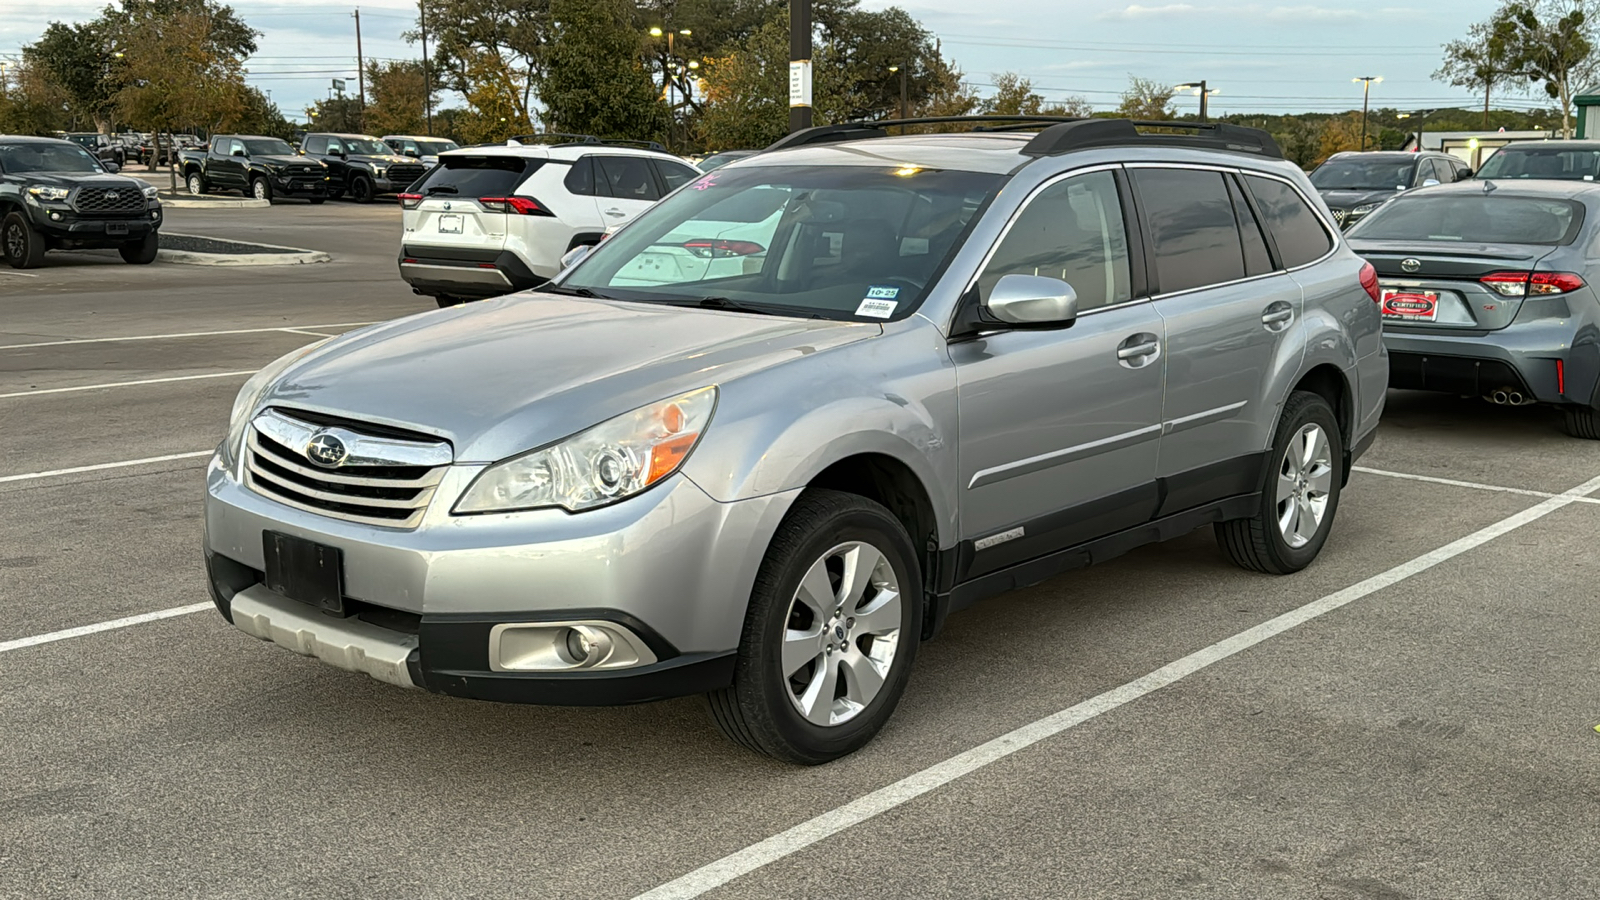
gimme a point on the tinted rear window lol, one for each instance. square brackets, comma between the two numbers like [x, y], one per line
[1294, 227]
[477, 176]
[1573, 165]
[1195, 236]
[1473, 218]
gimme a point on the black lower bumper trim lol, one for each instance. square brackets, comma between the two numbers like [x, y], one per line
[1452, 374]
[680, 676]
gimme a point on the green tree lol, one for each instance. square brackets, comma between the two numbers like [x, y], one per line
[337, 114]
[1481, 61]
[1146, 99]
[395, 101]
[78, 60]
[596, 81]
[503, 41]
[31, 101]
[1554, 46]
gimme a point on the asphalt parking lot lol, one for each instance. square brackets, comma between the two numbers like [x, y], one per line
[1413, 716]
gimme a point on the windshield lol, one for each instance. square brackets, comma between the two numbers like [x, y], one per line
[434, 148]
[1475, 218]
[269, 147]
[1543, 162]
[1364, 174]
[46, 157]
[364, 147]
[800, 240]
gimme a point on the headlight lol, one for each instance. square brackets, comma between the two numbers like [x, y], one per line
[48, 192]
[250, 395]
[150, 191]
[1363, 209]
[611, 461]
[377, 172]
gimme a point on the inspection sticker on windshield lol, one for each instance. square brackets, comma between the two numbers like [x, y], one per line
[877, 309]
[882, 292]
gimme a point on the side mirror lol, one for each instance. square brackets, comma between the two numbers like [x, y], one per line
[575, 255]
[414, 154]
[1465, 174]
[239, 152]
[1429, 182]
[1033, 300]
[111, 167]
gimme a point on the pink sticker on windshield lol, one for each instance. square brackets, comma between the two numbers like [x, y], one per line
[706, 181]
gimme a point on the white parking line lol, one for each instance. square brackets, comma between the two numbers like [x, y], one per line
[19, 274]
[97, 627]
[303, 331]
[117, 384]
[1429, 479]
[726, 869]
[100, 467]
[183, 334]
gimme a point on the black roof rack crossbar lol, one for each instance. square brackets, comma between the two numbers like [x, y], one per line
[563, 139]
[850, 131]
[1085, 134]
[1062, 134]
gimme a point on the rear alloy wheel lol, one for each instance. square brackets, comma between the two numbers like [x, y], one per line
[361, 189]
[1300, 496]
[830, 635]
[197, 183]
[1581, 422]
[260, 189]
[141, 252]
[23, 247]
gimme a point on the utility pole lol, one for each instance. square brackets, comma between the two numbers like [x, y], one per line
[361, 78]
[799, 64]
[1366, 92]
[427, 87]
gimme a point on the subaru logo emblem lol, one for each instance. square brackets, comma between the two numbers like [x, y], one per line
[326, 450]
[1410, 264]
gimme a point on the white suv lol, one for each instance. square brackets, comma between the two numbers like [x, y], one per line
[492, 220]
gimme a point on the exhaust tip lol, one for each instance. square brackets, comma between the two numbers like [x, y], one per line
[1499, 398]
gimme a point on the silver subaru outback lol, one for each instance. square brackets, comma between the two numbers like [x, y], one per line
[760, 443]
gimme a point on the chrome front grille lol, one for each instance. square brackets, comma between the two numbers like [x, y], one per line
[405, 174]
[379, 481]
[109, 200]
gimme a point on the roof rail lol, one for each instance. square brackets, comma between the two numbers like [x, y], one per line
[1088, 133]
[1062, 134]
[851, 131]
[563, 139]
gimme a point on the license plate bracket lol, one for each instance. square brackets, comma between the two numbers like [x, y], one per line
[449, 224]
[1407, 305]
[116, 228]
[305, 571]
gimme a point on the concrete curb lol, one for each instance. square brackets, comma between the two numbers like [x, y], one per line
[191, 258]
[186, 201]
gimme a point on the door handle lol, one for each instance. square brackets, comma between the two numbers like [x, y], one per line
[615, 213]
[1138, 351]
[1278, 316]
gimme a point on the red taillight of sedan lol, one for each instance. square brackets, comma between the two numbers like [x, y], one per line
[1532, 284]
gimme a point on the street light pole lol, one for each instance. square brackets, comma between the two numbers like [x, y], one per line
[1204, 92]
[799, 65]
[902, 70]
[1366, 92]
[427, 87]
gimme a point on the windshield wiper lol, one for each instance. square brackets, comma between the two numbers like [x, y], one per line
[443, 189]
[573, 292]
[732, 305]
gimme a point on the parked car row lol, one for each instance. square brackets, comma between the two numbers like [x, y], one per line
[324, 166]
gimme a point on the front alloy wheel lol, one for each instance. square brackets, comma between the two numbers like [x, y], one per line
[197, 184]
[830, 633]
[260, 189]
[23, 247]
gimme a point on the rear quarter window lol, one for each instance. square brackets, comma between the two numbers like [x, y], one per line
[1298, 232]
[478, 176]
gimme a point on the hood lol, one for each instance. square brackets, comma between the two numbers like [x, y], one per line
[503, 376]
[77, 179]
[379, 160]
[1345, 199]
[282, 159]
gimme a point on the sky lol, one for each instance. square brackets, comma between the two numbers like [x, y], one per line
[1258, 57]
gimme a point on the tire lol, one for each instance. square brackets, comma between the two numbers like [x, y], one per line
[317, 201]
[1262, 543]
[141, 252]
[196, 183]
[763, 708]
[260, 189]
[22, 245]
[446, 301]
[1581, 422]
[361, 189]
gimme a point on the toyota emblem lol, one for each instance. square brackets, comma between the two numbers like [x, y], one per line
[327, 451]
[447, 205]
[1410, 264]
[111, 195]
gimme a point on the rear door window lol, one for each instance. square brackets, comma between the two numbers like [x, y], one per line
[626, 178]
[477, 176]
[1298, 232]
[1193, 232]
[1256, 259]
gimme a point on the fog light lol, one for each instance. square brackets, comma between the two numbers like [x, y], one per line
[56, 216]
[559, 646]
[587, 646]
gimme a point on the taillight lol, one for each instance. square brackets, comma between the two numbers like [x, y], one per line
[410, 201]
[1537, 284]
[711, 249]
[522, 206]
[1369, 281]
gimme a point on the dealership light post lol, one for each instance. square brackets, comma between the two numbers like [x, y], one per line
[1366, 82]
[1200, 88]
[799, 64]
[667, 72]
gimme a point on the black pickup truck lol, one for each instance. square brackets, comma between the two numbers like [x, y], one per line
[261, 167]
[362, 166]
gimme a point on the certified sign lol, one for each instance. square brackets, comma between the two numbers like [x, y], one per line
[1413, 306]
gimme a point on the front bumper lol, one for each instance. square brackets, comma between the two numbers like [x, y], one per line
[300, 185]
[63, 227]
[1513, 357]
[672, 566]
